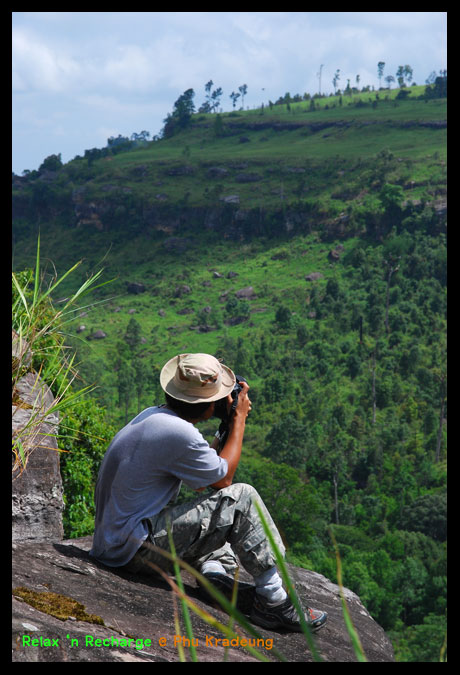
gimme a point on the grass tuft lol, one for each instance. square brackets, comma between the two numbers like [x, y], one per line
[38, 347]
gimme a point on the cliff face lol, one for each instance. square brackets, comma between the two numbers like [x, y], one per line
[119, 605]
[68, 607]
[37, 501]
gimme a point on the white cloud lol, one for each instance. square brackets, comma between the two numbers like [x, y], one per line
[36, 66]
[256, 26]
[131, 68]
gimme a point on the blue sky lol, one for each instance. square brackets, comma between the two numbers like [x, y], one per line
[81, 77]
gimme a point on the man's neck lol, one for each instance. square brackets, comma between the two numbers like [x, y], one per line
[186, 419]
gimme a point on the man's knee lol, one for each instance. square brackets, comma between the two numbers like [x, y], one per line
[238, 491]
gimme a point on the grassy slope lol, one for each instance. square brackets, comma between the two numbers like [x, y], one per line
[271, 153]
[274, 282]
[336, 160]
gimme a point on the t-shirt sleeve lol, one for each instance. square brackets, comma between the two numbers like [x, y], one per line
[200, 465]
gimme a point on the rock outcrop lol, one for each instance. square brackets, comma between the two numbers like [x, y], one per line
[245, 293]
[68, 607]
[120, 606]
[135, 287]
[37, 501]
[97, 335]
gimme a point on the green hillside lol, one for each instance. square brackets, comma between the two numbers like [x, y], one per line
[221, 226]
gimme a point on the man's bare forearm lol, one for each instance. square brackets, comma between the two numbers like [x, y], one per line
[232, 449]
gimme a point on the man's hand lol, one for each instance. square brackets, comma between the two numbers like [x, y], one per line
[232, 448]
[244, 406]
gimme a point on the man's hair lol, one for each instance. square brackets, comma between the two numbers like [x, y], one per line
[191, 411]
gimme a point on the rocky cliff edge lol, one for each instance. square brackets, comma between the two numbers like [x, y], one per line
[111, 606]
[68, 607]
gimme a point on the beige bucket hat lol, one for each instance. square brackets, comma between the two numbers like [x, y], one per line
[196, 378]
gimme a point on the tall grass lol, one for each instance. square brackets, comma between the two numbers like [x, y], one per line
[289, 586]
[186, 614]
[357, 646]
[38, 346]
[230, 608]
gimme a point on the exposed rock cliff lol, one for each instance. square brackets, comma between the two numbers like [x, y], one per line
[64, 601]
[143, 608]
[37, 501]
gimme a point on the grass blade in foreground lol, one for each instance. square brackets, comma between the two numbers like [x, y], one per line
[220, 598]
[188, 623]
[180, 649]
[443, 653]
[289, 586]
[233, 602]
[357, 646]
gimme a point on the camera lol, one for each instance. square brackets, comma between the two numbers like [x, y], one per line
[221, 411]
[220, 408]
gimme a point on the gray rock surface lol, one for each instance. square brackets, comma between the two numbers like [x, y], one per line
[37, 501]
[97, 335]
[143, 607]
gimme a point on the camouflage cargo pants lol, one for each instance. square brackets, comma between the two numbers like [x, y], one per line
[212, 527]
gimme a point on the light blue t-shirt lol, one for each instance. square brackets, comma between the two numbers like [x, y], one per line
[141, 473]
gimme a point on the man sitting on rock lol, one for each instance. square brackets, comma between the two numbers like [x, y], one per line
[141, 475]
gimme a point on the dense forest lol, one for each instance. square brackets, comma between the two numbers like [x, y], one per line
[337, 319]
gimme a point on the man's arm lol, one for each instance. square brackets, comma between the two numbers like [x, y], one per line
[232, 448]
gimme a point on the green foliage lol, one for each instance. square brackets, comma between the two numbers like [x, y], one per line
[181, 116]
[421, 643]
[290, 501]
[218, 126]
[84, 438]
[283, 317]
[286, 441]
[439, 88]
[237, 309]
[391, 197]
[427, 514]
[38, 347]
[132, 337]
[347, 373]
[51, 163]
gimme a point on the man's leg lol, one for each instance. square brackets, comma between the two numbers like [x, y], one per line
[206, 525]
[229, 516]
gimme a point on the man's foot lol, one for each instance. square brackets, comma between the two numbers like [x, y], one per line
[224, 584]
[284, 616]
